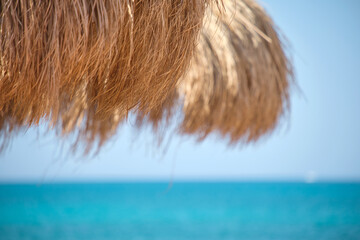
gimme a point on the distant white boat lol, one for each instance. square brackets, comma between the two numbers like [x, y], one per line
[310, 177]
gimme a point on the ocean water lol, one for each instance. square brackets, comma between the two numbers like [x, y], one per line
[184, 211]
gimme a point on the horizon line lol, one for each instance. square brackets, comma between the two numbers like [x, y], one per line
[179, 180]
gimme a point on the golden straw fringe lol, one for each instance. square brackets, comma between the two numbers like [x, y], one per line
[239, 78]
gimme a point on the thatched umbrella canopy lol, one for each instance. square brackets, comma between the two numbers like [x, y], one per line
[82, 66]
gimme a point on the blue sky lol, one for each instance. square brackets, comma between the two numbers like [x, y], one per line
[319, 140]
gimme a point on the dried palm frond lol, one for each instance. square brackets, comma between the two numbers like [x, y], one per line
[239, 78]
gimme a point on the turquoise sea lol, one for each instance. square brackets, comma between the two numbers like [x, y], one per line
[183, 211]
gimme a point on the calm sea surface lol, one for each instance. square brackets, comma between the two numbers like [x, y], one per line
[185, 211]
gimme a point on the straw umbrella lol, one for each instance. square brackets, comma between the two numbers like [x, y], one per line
[82, 66]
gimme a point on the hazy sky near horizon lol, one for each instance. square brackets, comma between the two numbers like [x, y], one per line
[320, 139]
